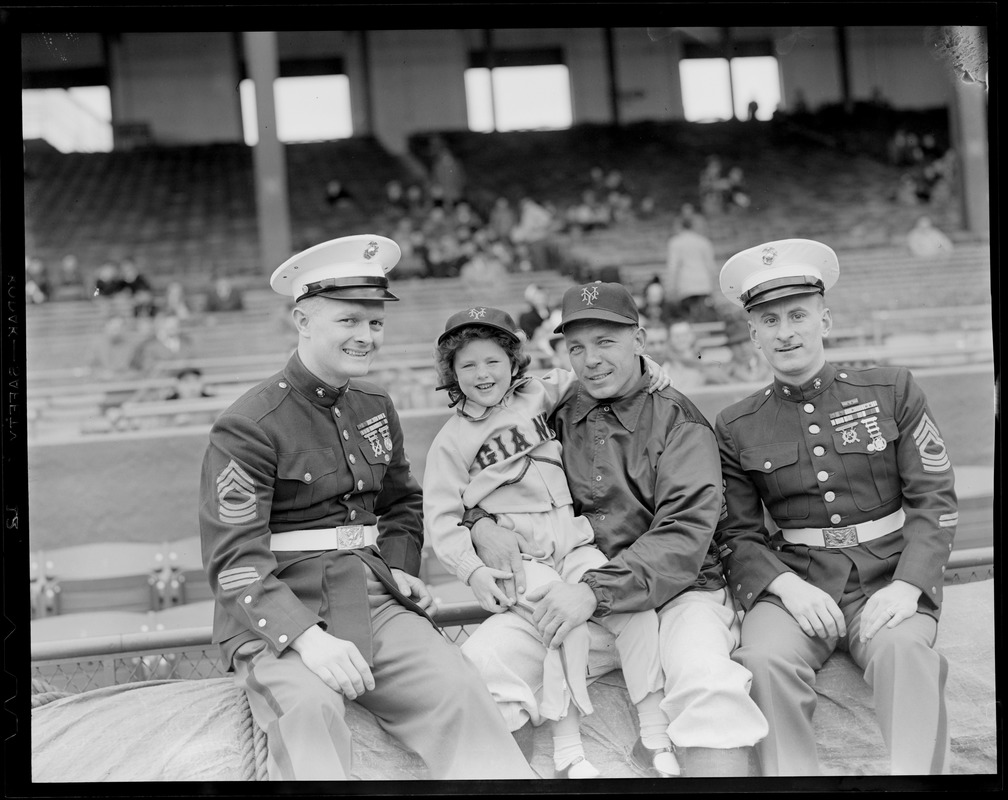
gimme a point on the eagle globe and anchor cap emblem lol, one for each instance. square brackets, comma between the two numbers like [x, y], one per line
[769, 254]
[372, 250]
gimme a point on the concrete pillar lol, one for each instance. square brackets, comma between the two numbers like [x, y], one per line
[970, 142]
[268, 156]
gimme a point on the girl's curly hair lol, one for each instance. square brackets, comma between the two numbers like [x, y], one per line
[444, 356]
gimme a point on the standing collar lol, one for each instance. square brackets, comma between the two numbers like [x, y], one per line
[627, 407]
[814, 386]
[310, 385]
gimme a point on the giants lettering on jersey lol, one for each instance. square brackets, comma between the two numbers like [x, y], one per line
[512, 442]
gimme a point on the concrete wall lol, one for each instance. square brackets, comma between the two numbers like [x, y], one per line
[184, 84]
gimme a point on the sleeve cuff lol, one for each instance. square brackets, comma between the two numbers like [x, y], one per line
[467, 566]
[603, 598]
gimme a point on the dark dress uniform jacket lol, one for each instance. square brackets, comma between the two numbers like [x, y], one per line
[293, 453]
[810, 455]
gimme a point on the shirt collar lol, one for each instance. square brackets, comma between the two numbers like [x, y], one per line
[472, 410]
[814, 386]
[311, 386]
[627, 408]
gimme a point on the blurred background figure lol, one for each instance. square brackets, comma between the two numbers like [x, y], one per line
[189, 385]
[683, 361]
[746, 364]
[926, 241]
[654, 305]
[690, 271]
[137, 288]
[37, 286]
[70, 283]
[536, 311]
[176, 304]
[224, 296]
[167, 342]
[110, 351]
[447, 173]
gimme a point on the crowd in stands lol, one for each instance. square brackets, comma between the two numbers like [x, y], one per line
[929, 170]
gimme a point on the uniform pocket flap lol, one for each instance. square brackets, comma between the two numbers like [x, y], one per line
[769, 457]
[306, 466]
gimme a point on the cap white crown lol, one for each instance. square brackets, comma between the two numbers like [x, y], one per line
[360, 256]
[783, 258]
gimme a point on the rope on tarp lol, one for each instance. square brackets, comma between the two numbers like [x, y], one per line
[43, 692]
[253, 742]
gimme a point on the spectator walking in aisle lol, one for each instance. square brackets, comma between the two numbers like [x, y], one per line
[447, 173]
[852, 468]
[690, 269]
[924, 240]
[643, 469]
[312, 529]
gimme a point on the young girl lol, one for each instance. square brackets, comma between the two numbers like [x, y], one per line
[499, 453]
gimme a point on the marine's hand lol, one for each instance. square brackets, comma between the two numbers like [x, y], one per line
[337, 662]
[561, 607]
[816, 612]
[491, 597]
[413, 587]
[660, 379]
[889, 606]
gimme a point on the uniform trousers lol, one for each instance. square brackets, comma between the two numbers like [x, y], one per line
[568, 542]
[706, 693]
[426, 695]
[907, 677]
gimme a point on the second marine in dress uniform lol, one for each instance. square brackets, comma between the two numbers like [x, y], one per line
[853, 470]
[311, 524]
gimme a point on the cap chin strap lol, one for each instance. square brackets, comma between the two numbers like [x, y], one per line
[343, 283]
[809, 282]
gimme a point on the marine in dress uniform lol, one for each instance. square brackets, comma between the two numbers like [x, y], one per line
[311, 525]
[853, 472]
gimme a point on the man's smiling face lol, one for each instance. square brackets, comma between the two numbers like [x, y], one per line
[605, 356]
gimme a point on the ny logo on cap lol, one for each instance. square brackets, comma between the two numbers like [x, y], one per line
[476, 313]
[589, 294]
[372, 250]
[769, 254]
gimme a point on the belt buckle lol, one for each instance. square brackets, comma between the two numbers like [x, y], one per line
[350, 537]
[840, 537]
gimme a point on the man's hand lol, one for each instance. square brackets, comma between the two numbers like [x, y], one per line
[484, 583]
[337, 662]
[561, 607]
[889, 606]
[416, 589]
[816, 612]
[501, 548]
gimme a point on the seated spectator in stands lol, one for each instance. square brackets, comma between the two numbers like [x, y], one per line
[224, 296]
[70, 283]
[37, 286]
[683, 361]
[657, 341]
[711, 187]
[536, 312]
[447, 173]
[436, 223]
[502, 218]
[481, 272]
[411, 245]
[588, 214]
[168, 343]
[927, 241]
[337, 195]
[175, 302]
[897, 148]
[189, 385]
[137, 287]
[646, 208]
[747, 364]
[655, 309]
[736, 193]
[110, 352]
[396, 204]
[464, 215]
[108, 281]
[416, 201]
